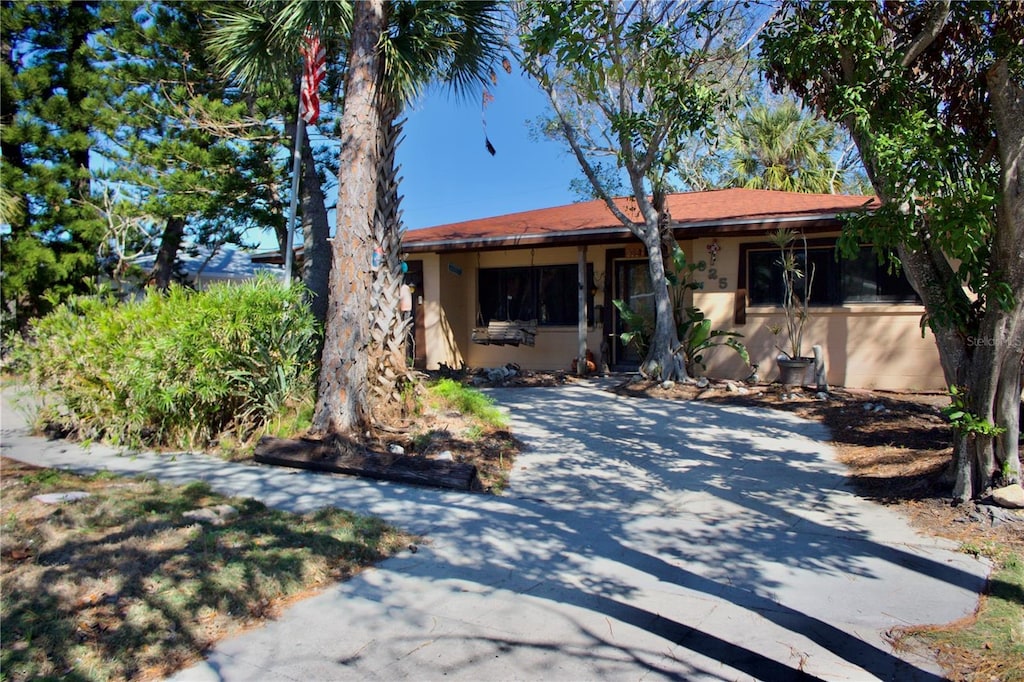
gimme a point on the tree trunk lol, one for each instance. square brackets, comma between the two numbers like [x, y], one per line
[170, 243]
[316, 230]
[1007, 97]
[662, 361]
[389, 369]
[341, 398]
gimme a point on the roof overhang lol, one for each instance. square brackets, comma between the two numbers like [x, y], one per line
[823, 222]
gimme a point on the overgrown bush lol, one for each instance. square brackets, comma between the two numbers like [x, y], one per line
[174, 369]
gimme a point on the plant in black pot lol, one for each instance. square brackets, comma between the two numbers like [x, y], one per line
[797, 279]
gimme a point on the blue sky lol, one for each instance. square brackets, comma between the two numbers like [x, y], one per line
[448, 174]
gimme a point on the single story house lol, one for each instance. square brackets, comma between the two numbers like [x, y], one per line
[519, 277]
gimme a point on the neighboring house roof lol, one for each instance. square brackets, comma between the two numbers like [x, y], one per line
[227, 264]
[694, 214]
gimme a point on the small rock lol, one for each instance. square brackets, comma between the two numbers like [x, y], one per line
[821, 395]
[733, 388]
[868, 407]
[668, 384]
[784, 396]
[1010, 497]
[396, 449]
[880, 408]
[58, 498]
[703, 382]
[446, 456]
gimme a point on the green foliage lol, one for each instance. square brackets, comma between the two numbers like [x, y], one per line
[175, 369]
[470, 402]
[635, 83]
[782, 148]
[924, 129]
[640, 327]
[694, 330]
[50, 96]
[959, 415]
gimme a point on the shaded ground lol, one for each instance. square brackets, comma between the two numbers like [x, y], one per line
[127, 584]
[897, 446]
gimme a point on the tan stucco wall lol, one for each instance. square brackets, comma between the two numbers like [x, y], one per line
[865, 345]
[439, 304]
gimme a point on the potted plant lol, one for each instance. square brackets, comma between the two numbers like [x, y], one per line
[796, 297]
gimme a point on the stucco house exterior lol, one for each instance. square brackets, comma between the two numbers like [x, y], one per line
[528, 267]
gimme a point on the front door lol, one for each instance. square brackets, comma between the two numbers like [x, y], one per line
[632, 284]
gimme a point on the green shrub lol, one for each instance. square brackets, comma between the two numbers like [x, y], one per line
[176, 368]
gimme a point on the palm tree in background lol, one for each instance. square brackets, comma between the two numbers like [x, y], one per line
[781, 148]
[395, 50]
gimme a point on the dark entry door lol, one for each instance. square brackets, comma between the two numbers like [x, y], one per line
[633, 285]
[416, 344]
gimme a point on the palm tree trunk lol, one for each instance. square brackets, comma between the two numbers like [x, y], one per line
[342, 397]
[389, 369]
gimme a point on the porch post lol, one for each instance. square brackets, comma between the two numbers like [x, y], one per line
[581, 356]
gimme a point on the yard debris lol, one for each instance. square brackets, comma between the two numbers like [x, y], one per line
[500, 374]
[396, 449]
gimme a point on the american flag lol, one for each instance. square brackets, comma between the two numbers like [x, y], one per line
[313, 71]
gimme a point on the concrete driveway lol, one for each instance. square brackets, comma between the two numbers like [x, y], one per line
[639, 539]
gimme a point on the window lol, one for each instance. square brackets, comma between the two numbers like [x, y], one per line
[548, 294]
[860, 280]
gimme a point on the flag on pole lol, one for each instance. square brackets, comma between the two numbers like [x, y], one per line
[313, 71]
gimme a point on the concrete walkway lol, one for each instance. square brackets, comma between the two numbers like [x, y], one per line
[639, 539]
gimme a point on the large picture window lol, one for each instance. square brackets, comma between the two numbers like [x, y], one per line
[859, 280]
[548, 294]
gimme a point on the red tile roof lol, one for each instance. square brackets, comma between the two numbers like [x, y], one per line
[714, 210]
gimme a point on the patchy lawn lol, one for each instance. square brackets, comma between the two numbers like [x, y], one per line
[122, 585]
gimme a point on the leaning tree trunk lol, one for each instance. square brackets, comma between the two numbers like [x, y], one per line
[342, 405]
[389, 370]
[163, 268]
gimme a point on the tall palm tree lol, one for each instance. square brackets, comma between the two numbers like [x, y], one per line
[396, 49]
[781, 148]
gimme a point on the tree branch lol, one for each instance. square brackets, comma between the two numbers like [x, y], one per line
[930, 31]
